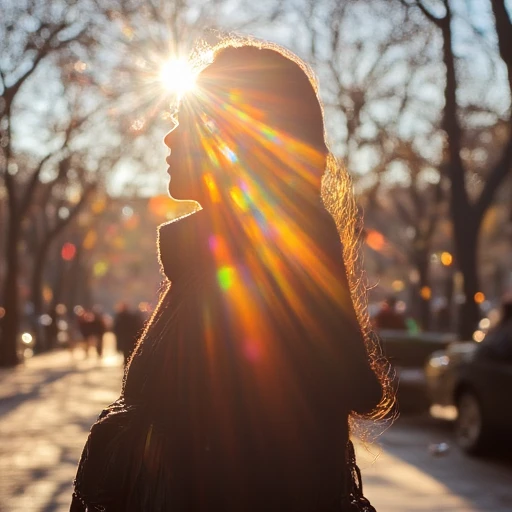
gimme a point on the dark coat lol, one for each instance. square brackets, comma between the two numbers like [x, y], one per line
[239, 391]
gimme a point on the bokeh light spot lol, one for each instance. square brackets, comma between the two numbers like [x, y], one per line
[375, 240]
[478, 336]
[99, 205]
[426, 293]
[90, 239]
[479, 297]
[127, 211]
[446, 259]
[68, 251]
[100, 268]
[225, 276]
[398, 285]
[485, 323]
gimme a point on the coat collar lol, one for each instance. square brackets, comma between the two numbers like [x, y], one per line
[181, 243]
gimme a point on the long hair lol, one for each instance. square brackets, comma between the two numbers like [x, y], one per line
[336, 184]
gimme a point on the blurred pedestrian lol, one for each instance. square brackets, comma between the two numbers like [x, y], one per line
[85, 318]
[238, 395]
[389, 318]
[51, 329]
[127, 326]
[97, 329]
[75, 335]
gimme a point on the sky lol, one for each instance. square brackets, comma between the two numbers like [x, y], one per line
[44, 104]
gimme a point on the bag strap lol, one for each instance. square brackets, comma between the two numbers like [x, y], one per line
[354, 500]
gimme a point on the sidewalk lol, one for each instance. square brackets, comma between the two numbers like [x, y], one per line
[48, 406]
[46, 409]
[404, 473]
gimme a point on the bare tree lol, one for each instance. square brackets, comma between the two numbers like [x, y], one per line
[467, 209]
[61, 200]
[36, 38]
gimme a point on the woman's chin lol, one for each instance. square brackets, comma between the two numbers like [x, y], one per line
[190, 205]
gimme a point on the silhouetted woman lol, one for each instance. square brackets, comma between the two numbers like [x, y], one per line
[238, 395]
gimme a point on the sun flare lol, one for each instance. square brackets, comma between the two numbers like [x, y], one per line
[177, 76]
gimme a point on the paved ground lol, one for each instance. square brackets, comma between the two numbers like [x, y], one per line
[403, 472]
[46, 410]
[47, 407]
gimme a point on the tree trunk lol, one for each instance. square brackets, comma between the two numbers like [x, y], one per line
[469, 313]
[74, 285]
[11, 321]
[59, 284]
[446, 322]
[37, 279]
[37, 294]
[423, 267]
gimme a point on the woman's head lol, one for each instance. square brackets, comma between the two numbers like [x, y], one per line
[254, 112]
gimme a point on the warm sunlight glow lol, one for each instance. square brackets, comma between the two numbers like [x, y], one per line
[177, 76]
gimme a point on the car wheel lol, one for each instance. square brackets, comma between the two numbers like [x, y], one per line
[469, 427]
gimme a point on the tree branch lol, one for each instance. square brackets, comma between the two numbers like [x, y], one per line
[504, 33]
[11, 91]
[425, 11]
[2, 81]
[494, 180]
[428, 14]
[60, 225]
[434, 217]
[31, 187]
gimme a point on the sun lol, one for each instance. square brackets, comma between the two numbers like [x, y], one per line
[177, 76]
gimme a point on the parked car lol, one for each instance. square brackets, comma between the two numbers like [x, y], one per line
[478, 381]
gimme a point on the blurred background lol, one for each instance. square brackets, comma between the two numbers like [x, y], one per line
[417, 97]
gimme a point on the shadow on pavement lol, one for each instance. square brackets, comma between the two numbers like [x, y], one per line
[411, 473]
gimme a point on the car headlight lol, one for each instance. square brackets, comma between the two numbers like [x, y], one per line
[439, 361]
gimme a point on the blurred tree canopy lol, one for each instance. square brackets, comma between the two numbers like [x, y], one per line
[417, 97]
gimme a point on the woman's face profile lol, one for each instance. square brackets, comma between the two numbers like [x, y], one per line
[184, 157]
[201, 157]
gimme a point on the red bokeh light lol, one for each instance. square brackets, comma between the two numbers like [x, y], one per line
[375, 240]
[68, 251]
